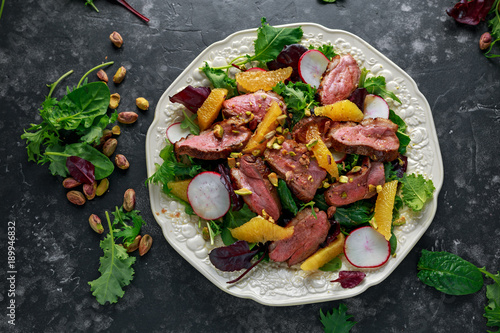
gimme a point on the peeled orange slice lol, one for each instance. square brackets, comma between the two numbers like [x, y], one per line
[260, 230]
[252, 81]
[324, 255]
[383, 208]
[258, 140]
[179, 188]
[321, 152]
[210, 109]
[344, 110]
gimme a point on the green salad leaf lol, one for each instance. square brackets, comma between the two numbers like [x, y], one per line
[376, 86]
[299, 98]
[416, 191]
[270, 41]
[188, 123]
[449, 273]
[220, 79]
[286, 198]
[355, 214]
[116, 270]
[326, 49]
[332, 266]
[404, 139]
[337, 321]
[234, 219]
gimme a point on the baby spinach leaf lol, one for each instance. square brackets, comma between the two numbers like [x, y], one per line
[103, 166]
[286, 197]
[355, 214]
[449, 273]
[333, 265]
[404, 139]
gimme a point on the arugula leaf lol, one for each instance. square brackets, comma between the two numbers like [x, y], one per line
[326, 49]
[270, 41]
[286, 197]
[355, 214]
[449, 273]
[234, 219]
[376, 86]
[299, 98]
[188, 122]
[337, 321]
[416, 191]
[122, 228]
[116, 270]
[333, 265]
[220, 79]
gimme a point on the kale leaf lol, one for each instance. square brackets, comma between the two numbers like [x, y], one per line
[416, 191]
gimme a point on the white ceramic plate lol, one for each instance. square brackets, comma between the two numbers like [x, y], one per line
[272, 283]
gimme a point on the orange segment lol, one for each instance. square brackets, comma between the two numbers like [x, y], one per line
[324, 255]
[179, 188]
[260, 230]
[383, 208]
[210, 109]
[322, 153]
[340, 111]
[268, 124]
[252, 81]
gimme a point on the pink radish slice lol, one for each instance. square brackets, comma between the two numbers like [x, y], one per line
[175, 132]
[253, 69]
[312, 65]
[376, 107]
[208, 196]
[366, 248]
[338, 156]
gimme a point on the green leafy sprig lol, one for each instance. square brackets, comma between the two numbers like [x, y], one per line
[337, 321]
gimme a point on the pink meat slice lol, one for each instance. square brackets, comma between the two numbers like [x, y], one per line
[207, 146]
[308, 233]
[358, 185]
[252, 174]
[340, 79]
[372, 137]
[293, 163]
[257, 104]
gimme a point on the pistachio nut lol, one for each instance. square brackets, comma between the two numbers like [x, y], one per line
[243, 191]
[120, 75]
[218, 131]
[114, 100]
[273, 178]
[485, 41]
[102, 187]
[116, 130]
[135, 244]
[116, 39]
[205, 233]
[71, 182]
[109, 147]
[101, 75]
[142, 103]
[145, 244]
[89, 190]
[76, 197]
[121, 162]
[95, 224]
[127, 117]
[129, 200]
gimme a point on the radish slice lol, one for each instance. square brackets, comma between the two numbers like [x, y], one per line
[366, 248]
[175, 132]
[338, 156]
[376, 107]
[208, 196]
[241, 90]
[312, 65]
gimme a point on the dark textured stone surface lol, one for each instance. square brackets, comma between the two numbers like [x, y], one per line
[56, 253]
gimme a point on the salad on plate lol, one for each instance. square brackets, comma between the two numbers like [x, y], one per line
[292, 155]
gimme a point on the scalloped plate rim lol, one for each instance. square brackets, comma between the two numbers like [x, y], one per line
[308, 299]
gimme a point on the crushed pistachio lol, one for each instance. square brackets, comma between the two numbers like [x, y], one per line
[379, 188]
[235, 155]
[243, 191]
[273, 178]
[356, 169]
[231, 162]
[343, 179]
